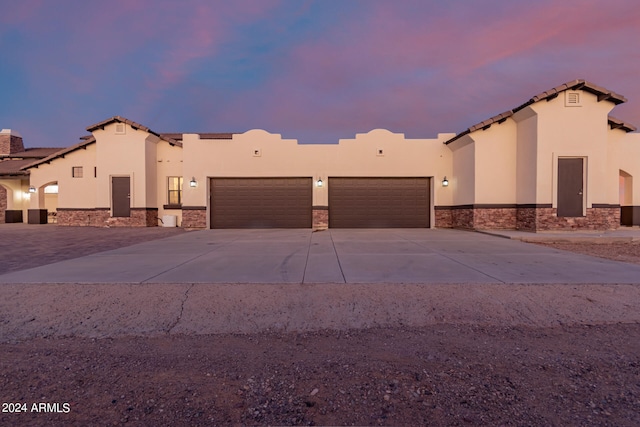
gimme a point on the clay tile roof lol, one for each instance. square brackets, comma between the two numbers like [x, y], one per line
[619, 124]
[34, 153]
[119, 119]
[13, 167]
[59, 153]
[174, 136]
[580, 84]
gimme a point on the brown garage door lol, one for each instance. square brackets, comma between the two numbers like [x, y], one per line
[261, 202]
[379, 202]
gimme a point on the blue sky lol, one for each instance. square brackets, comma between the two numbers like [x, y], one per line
[312, 70]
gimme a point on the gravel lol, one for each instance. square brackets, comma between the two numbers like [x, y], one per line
[445, 375]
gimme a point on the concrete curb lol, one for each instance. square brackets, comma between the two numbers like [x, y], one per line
[562, 238]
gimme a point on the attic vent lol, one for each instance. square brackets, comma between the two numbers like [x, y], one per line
[572, 99]
[120, 129]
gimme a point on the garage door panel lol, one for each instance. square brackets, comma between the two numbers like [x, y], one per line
[379, 202]
[261, 202]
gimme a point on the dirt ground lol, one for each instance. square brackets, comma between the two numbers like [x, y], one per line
[579, 374]
[625, 252]
[447, 375]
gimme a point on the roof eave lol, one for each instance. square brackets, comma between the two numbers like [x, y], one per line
[579, 84]
[61, 153]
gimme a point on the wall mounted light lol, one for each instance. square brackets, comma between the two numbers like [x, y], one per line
[445, 182]
[193, 182]
[319, 182]
[32, 189]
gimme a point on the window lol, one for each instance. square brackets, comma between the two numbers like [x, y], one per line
[76, 171]
[175, 190]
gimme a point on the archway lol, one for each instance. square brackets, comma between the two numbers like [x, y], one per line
[628, 214]
[49, 200]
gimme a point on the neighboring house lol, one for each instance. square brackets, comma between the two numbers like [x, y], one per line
[558, 161]
[14, 180]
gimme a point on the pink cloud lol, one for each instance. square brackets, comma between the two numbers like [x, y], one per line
[202, 28]
[385, 70]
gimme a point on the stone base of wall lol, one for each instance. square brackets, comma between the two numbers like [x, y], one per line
[320, 218]
[83, 217]
[462, 218]
[443, 217]
[3, 203]
[194, 217]
[484, 217]
[547, 219]
[495, 218]
[101, 217]
[525, 217]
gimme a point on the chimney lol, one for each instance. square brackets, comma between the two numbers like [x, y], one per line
[10, 142]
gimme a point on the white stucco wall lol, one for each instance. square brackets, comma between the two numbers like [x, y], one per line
[122, 155]
[278, 157]
[495, 164]
[626, 156]
[168, 163]
[462, 180]
[18, 196]
[72, 192]
[513, 162]
[526, 156]
[574, 132]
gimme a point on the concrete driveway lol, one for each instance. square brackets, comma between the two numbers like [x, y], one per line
[331, 256]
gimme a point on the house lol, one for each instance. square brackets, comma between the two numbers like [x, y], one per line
[14, 180]
[558, 161]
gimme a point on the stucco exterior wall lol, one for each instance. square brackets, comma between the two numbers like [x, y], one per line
[626, 154]
[72, 192]
[257, 153]
[526, 156]
[502, 173]
[16, 193]
[381, 153]
[151, 183]
[462, 180]
[16, 196]
[495, 164]
[122, 155]
[578, 131]
[168, 163]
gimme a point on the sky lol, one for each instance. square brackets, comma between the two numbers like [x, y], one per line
[315, 71]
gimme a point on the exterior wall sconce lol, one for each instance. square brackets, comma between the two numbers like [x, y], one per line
[32, 189]
[193, 182]
[319, 182]
[445, 182]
